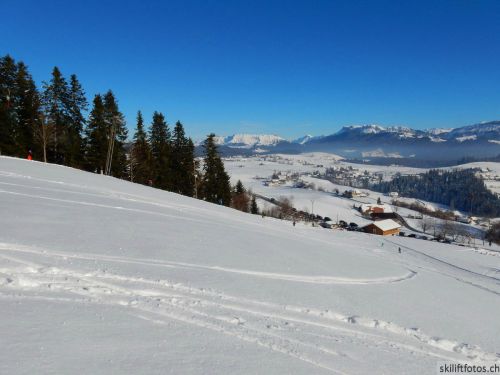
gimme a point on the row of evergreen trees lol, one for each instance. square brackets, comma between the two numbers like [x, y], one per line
[51, 124]
[459, 189]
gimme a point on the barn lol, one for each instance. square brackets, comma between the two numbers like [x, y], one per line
[386, 227]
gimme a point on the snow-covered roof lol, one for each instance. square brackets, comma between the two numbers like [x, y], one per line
[370, 206]
[386, 224]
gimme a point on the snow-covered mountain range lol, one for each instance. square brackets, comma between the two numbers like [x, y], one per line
[358, 141]
[249, 140]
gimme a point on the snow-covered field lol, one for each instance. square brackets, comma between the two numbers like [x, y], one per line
[253, 171]
[99, 275]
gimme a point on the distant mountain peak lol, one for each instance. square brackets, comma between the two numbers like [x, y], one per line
[306, 138]
[249, 140]
[365, 129]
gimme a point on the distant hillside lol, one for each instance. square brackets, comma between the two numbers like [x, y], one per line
[458, 189]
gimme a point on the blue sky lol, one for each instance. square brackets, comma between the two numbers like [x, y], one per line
[283, 67]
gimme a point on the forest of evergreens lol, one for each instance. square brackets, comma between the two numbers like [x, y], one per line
[55, 123]
[460, 189]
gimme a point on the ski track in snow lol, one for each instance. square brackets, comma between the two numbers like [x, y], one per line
[279, 328]
[169, 264]
[468, 277]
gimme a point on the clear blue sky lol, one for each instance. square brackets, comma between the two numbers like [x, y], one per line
[281, 67]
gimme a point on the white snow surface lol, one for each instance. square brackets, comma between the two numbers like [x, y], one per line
[101, 276]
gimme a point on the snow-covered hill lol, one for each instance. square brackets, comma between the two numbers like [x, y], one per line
[99, 275]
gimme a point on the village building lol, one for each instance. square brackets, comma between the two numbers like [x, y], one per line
[385, 227]
[367, 209]
[354, 194]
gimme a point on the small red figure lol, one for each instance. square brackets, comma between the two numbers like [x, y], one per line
[30, 155]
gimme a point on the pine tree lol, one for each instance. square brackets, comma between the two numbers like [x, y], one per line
[182, 162]
[190, 168]
[116, 158]
[140, 156]
[160, 140]
[254, 209]
[55, 103]
[27, 112]
[76, 105]
[215, 185]
[8, 73]
[96, 138]
[239, 188]
[240, 199]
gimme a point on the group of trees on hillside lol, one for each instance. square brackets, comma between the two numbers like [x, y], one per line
[50, 124]
[460, 189]
[493, 234]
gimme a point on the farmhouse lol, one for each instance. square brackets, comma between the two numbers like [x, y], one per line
[367, 209]
[382, 227]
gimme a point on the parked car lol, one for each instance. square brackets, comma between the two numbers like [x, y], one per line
[353, 225]
[326, 224]
[343, 224]
[412, 235]
[402, 234]
[422, 237]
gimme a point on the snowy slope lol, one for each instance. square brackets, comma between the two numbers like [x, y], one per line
[99, 275]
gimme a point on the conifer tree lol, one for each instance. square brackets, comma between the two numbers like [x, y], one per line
[76, 105]
[96, 137]
[215, 185]
[191, 170]
[8, 73]
[160, 140]
[240, 199]
[239, 188]
[182, 162]
[55, 102]
[27, 112]
[140, 155]
[254, 209]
